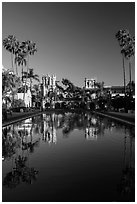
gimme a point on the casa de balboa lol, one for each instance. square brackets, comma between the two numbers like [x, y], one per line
[48, 89]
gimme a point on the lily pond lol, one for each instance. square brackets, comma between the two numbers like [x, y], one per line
[68, 157]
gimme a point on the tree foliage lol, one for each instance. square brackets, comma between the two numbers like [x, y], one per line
[10, 82]
[31, 75]
[18, 103]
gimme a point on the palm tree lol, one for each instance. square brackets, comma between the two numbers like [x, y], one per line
[129, 52]
[17, 51]
[10, 43]
[21, 60]
[21, 173]
[123, 37]
[29, 48]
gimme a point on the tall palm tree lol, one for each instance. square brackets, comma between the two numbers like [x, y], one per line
[17, 51]
[123, 37]
[129, 52]
[29, 48]
[21, 61]
[10, 44]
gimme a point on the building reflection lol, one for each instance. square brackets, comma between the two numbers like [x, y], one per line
[49, 130]
[20, 140]
[93, 125]
[91, 133]
[46, 126]
[94, 128]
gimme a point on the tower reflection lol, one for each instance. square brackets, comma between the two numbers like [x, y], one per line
[20, 141]
[49, 130]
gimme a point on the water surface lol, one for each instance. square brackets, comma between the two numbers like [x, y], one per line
[68, 157]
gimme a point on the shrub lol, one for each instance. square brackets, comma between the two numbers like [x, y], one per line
[18, 103]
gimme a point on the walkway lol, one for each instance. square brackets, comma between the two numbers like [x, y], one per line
[17, 116]
[127, 118]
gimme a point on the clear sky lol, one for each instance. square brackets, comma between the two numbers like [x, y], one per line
[74, 40]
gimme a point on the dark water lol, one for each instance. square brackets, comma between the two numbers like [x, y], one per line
[68, 157]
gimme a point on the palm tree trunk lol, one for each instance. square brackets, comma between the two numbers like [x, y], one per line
[30, 84]
[22, 73]
[13, 98]
[6, 103]
[130, 75]
[26, 77]
[16, 68]
[12, 62]
[124, 75]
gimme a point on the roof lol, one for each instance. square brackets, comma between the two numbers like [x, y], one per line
[113, 87]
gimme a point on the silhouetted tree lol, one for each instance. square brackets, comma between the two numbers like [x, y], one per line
[10, 44]
[129, 52]
[123, 37]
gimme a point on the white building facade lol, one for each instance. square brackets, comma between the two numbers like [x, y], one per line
[89, 85]
[48, 89]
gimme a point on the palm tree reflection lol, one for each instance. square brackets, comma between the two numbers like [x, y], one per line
[20, 173]
[127, 184]
[11, 141]
[18, 142]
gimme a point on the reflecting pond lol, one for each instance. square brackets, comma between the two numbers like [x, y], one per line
[68, 157]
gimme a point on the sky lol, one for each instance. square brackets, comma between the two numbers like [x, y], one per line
[75, 40]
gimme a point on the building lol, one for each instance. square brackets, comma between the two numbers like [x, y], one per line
[90, 83]
[114, 90]
[48, 89]
[49, 83]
